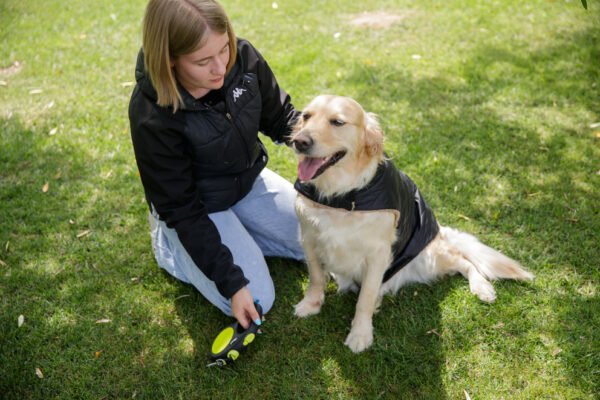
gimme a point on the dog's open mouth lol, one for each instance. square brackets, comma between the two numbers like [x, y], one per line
[311, 167]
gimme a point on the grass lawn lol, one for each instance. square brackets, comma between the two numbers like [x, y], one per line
[493, 107]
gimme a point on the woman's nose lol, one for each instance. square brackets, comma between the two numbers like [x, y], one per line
[218, 67]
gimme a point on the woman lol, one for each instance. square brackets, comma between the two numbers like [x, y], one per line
[200, 99]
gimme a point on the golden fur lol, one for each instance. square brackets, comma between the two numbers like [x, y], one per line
[355, 246]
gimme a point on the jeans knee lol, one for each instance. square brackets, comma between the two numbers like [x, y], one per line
[265, 297]
[266, 303]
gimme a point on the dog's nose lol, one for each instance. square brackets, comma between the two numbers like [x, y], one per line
[302, 143]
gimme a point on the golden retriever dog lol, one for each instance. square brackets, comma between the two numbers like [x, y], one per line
[365, 223]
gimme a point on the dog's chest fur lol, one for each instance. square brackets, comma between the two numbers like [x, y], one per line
[346, 242]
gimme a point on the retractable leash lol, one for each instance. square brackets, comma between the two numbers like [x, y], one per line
[231, 341]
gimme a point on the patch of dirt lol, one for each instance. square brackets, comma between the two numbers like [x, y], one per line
[378, 19]
[15, 68]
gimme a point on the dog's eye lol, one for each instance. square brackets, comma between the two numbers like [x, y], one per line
[305, 116]
[337, 122]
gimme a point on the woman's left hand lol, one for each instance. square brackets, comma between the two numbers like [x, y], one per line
[243, 309]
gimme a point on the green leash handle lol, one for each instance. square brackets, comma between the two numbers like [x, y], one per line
[231, 341]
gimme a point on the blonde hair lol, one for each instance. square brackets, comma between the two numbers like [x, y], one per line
[173, 28]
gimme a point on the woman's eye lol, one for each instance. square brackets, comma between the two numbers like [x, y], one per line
[337, 122]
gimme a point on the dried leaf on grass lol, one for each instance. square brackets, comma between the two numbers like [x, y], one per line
[556, 351]
[83, 233]
[20, 320]
[103, 321]
[377, 19]
[435, 332]
[45, 187]
[39, 373]
[12, 69]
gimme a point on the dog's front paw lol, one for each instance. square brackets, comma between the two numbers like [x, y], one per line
[307, 307]
[359, 339]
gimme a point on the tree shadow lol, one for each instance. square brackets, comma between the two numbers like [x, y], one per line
[71, 271]
[456, 153]
[542, 192]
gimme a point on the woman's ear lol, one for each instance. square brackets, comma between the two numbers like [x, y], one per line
[373, 135]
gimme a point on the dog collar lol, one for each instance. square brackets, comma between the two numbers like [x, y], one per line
[373, 196]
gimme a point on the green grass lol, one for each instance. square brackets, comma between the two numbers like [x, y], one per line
[493, 121]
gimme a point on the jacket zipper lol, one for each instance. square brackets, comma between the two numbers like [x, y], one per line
[230, 118]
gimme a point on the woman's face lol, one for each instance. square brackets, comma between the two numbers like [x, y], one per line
[203, 70]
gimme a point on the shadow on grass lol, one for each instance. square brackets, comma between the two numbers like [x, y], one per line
[306, 358]
[71, 272]
[521, 183]
[542, 194]
[525, 184]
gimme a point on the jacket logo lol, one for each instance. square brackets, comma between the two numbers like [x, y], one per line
[237, 92]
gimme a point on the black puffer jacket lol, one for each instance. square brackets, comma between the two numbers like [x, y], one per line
[205, 157]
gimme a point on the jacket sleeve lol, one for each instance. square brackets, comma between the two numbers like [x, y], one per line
[165, 170]
[278, 113]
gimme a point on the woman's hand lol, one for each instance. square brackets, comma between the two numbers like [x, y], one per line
[243, 309]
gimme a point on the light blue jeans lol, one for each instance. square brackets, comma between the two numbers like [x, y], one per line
[263, 223]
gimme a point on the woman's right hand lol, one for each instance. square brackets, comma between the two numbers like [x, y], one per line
[243, 309]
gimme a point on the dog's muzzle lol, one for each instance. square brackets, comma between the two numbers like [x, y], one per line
[302, 143]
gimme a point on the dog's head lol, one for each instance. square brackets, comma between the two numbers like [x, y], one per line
[337, 142]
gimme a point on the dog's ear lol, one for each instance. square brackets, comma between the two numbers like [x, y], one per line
[373, 135]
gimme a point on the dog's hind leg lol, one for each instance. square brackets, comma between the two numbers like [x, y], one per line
[438, 259]
[445, 259]
[477, 282]
[478, 263]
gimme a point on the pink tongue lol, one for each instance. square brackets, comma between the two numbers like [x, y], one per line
[308, 168]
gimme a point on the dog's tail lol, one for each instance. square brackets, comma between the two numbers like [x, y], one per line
[489, 262]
